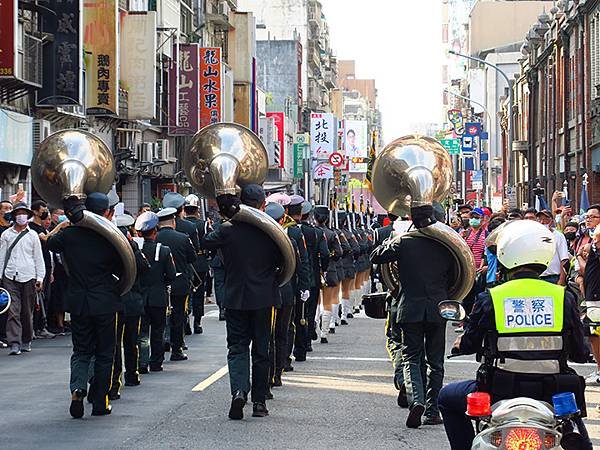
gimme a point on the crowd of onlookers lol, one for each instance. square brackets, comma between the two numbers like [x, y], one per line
[575, 265]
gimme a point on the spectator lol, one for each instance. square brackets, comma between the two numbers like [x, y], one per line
[555, 273]
[23, 273]
[515, 214]
[490, 252]
[530, 214]
[589, 269]
[145, 207]
[475, 237]
[57, 215]
[591, 221]
[570, 232]
[40, 215]
[5, 210]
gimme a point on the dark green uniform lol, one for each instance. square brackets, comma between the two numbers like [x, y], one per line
[92, 299]
[201, 269]
[154, 284]
[184, 254]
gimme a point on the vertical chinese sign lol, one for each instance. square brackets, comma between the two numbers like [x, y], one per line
[210, 85]
[322, 135]
[8, 38]
[62, 71]
[100, 43]
[279, 121]
[183, 114]
[138, 64]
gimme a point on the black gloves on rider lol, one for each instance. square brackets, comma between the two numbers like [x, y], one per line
[422, 216]
[74, 208]
[229, 205]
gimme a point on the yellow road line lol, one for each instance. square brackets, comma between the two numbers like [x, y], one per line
[212, 379]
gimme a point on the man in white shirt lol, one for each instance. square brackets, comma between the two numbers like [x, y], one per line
[23, 271]
[555, 273]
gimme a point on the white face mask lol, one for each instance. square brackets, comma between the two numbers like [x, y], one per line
[21, 219]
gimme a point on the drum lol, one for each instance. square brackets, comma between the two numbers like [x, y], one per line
[375, 305]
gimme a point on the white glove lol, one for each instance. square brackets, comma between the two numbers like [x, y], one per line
[304, 295]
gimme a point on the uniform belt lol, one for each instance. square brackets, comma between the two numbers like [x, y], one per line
[538, 366]
[529, 343]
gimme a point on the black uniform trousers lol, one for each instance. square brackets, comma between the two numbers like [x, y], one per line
[197, 297]
[128, 328]
[245, 327]
[93, 336]
[177, 320]
[152, 343]
[278, 351]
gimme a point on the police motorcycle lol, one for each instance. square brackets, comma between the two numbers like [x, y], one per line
[522, 422]
[4, 301]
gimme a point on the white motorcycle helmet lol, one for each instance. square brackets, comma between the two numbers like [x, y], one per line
[525, 242]
[192, 200]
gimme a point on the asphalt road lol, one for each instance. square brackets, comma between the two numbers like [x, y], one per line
[342, 397]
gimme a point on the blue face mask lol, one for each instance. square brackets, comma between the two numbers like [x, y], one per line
[62, 218]
[8, 217]
[474, 222]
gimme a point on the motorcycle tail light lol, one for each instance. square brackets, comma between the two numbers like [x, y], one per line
[479, 404]
[496, 438]
[549, 440]
[523, 439]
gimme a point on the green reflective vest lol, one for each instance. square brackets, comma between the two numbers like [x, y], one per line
[528, 306]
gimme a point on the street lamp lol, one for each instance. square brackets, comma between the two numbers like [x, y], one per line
[489, 171]
[510, 106]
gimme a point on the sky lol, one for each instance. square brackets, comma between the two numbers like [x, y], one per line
[397, 42]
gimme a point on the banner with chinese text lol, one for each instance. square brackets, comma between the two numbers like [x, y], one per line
[279, 121]
[322, 135]
[100, 43]
[138, 64]
[8, 38]
[210, 85]
[183, 114]
[62, 67]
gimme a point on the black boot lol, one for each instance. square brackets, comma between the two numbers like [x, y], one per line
[259, 409]
[238, 401]
[76, 408]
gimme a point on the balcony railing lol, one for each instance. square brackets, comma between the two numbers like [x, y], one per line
[29, 60]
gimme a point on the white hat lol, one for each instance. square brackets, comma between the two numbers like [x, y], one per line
[525, 242]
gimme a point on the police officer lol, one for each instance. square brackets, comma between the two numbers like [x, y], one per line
[425, 268]
[154, 284]
[251, 260]
[92, 299]
[200, 267]
[184, 254]
[128, 320]
[177, 201]
[298, 332]
[318, 255]
[509, 326]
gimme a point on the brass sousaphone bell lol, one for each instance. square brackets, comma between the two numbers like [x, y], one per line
[222, 159]
[74, 163]
[415, 171]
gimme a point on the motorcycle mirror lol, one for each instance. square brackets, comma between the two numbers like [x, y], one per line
[593, 313]
[451, 310]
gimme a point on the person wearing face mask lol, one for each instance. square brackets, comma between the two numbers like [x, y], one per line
[475, 237]
[23, 273]
[555, 273]
[5, 217]
[570, 233]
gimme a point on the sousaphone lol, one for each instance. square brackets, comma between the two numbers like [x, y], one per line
[415, 171]
[71, 164]
[223, 158]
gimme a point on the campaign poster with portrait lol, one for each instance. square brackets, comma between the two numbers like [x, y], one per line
[356, 144]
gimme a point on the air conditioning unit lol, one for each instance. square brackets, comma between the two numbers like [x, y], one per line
[224, 9]
[145, 152]
[41, 130]
[162, 150]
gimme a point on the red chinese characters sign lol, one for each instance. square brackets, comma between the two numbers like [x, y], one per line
[184, 120]
[8, 37]
[210, 85]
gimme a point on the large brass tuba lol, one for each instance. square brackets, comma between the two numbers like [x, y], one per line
[223, 158]
[415, 171]
[74, 163]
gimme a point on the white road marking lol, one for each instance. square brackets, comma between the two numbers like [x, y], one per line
[211, 379]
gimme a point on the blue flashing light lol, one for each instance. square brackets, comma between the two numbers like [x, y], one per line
[564, 404]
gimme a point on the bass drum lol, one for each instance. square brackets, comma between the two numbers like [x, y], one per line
[4, 300]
